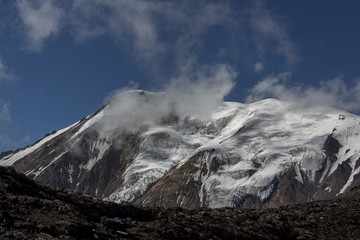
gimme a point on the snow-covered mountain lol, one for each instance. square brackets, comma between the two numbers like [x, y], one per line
[262, 154]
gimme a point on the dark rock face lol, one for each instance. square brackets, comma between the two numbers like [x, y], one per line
[287, 191]
[334, 182]
[176, 189]
[69, 173]
[32, 211]
[331, 147]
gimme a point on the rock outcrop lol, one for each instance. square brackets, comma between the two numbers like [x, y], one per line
[32, 211]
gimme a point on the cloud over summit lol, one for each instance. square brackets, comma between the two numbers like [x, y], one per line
[170, 40]
[193, 52]
[331, 93]
[195, 95]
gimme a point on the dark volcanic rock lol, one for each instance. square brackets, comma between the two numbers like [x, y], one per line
[32, 211]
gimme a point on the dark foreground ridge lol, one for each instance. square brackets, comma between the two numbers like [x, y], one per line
[32, 211]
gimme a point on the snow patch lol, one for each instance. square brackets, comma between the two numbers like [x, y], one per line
[11, 159]
[96, 151]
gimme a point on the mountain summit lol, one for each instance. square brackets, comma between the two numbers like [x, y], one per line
[139, 149]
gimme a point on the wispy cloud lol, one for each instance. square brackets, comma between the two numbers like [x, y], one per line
[131, 24]
[42, 19]
[258, 67]
[4, 111]
[10, 135]
[5, 141]
[167, 36]
[332, 93]
[6, 75]
[270, 33]
[194, 95]
[153, 31]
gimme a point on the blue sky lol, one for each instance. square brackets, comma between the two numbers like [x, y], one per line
[61, 60]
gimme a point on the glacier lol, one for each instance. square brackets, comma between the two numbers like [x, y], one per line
[240, 150]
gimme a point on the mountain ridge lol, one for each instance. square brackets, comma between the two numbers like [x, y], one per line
[262, 154]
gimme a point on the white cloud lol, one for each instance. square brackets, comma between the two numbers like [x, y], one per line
[130, 22]
[159, 33]
[196, 22]
[269, 29]
[198, 94]
[194, 95]
[6, 75]
[151, 30]
[154, 31]
[42, 19]
[258, 67]
[332, 93]
[5, 140]
[4, 111]
[25, 139]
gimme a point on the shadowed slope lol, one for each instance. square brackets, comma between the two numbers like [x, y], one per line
[32, 211]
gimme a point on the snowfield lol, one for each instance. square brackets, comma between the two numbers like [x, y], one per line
[253, 145]
[268, 133]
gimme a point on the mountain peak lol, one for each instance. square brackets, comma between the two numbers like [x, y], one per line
[259, 154]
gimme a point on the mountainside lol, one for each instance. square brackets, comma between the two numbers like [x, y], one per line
[263, 154]
[32, 211]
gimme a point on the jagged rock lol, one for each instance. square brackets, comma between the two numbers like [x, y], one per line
[32, 211]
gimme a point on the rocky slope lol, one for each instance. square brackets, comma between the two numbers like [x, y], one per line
[32, 211]
[263, 154]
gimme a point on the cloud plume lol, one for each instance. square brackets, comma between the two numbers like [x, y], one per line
[171, 40]
[4, 111]
[332, 93]
[6, 75]
[159, 33]
[194, 95]
[42, 19]
[270, 33]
